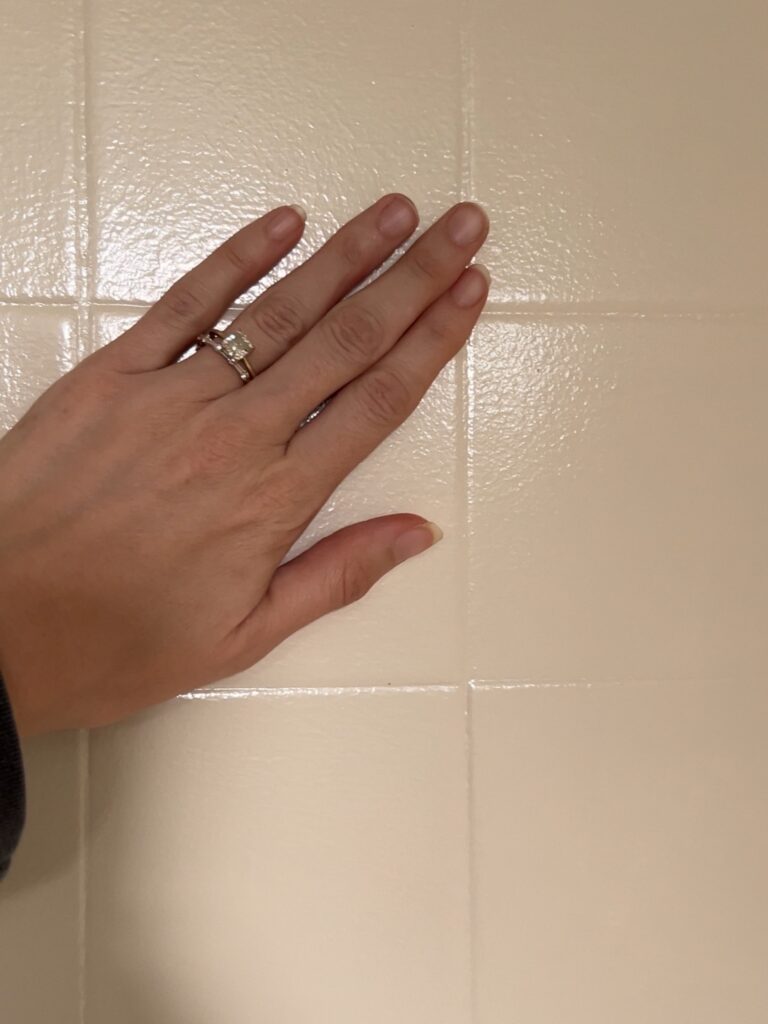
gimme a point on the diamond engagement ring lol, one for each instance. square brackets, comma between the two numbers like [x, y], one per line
[235, 348]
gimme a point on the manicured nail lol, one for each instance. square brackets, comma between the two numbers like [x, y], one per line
[284, 222]
[397, 217]
[414, 541]
[471, 286]
[466, 223]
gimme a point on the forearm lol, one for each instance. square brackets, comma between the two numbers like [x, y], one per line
[12, 795]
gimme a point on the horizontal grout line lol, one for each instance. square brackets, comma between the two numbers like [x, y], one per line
[599, 684]
[32, 303]
[532, 312]
[238, 693]
[504, 310]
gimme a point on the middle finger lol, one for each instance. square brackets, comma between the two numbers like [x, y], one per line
[363, 327]
[284, 313]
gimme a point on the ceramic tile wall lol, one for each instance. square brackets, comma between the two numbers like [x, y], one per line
[524, 779]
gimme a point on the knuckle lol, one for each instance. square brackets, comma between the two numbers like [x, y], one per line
[424, 264]
[235, 257]
[185, 302]
[385, 396]
[353, 583]
[280, 318]
[354, 330]
[439, 329]
[351, 250]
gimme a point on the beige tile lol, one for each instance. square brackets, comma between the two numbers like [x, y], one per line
[202, 123]
[621, 151]
[617, 499]
[39, 57]
[37, 346]
[409, 628]
[285, 857]
[620, 851]
[39, 899]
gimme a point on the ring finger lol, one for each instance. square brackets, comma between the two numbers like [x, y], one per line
[284, 313]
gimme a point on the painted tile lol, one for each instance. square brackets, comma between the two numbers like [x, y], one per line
[617, 494]
[38, 345]
[40, 896]
[203, 123]
[40, 59]
[619, 853]
[620, 150]
[239, 845]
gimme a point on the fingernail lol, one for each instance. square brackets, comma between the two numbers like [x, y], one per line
[397, 217]
[466, 223]
[471, 286]
[284, 222]
[414, 541]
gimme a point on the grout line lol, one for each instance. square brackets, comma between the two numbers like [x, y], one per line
[532, 311]
[465, 420]
[82, 898]
[84, 345]
[467, 109]
[472, 888]
[491, 310]
[240, 693]
[600, 684]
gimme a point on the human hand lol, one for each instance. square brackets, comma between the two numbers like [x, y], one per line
[147, 502]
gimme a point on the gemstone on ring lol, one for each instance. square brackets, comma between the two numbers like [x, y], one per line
[236, 345]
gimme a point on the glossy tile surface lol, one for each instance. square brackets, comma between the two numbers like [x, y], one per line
[339, 834]
[40, 898]
[619, 852]
[40, 100]
[617, 484]
[621, 150]
[291, 856]
[202, 122]
[37, 345]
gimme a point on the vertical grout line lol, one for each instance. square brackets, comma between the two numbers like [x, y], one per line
[470, 796]
[84, 750]
[467, 77]
[84, 345]
[464, 427]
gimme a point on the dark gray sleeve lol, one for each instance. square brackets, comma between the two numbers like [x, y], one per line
[12, 794]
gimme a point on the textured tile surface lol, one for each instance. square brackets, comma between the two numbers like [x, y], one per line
[39, 97]
[619, 851]
[284, 857]
[617, 487]
[621, 151]
[40, 897]
[37, 346]
[202, 123]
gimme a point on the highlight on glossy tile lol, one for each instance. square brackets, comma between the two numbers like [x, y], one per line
[619, 850]
[616, 488]
[236, 841]
[37, 346]
[213, 139]
[40, 61]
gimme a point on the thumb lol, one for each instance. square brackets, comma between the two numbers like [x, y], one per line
[337, 571]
